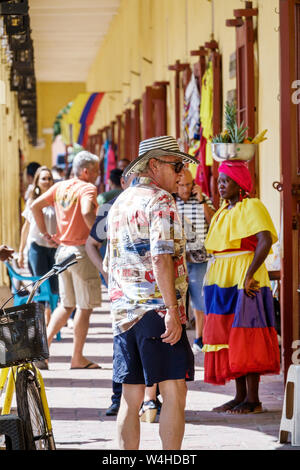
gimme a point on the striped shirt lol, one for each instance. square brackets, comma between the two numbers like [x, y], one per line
[195, 226]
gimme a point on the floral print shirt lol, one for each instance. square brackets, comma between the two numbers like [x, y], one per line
[142, 223]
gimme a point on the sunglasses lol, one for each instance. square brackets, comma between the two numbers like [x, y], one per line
[177, 165]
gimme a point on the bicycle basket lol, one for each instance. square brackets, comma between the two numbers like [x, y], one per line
[23, 335]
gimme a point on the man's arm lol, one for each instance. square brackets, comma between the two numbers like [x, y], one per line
[163, 268]
[92, 249]
[88, 212]
[208, 211]
[24, 236]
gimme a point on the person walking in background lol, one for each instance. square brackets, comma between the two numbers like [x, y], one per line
[240, 340]
[75, 206]
[115, 187]
[123, 163]
[96, 248]
[196, 211]
[145, 261]
[41, 253]
[31, 169]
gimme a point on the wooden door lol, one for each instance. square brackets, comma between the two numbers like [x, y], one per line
[290, 179]
[245, 77]
[154, 105]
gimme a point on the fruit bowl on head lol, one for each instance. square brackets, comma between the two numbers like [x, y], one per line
[233, 151]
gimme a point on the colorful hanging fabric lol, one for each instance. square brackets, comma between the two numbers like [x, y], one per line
[88, 115]
[111, 161]
[70, 121]
[191, 117]
[206, 110]
[203, 171]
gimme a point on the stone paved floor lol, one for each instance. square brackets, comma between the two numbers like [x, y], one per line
[78, 400]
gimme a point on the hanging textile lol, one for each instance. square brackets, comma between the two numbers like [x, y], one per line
[206, 110]
[111, 161]
[203, 172]
[191, 117]
[88, 115]
[70, 121]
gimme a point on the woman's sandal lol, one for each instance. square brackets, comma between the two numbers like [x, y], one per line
[247, 407]
[148, 411]
[226, 406]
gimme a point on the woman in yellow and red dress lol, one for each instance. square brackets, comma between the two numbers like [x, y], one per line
[240, 340]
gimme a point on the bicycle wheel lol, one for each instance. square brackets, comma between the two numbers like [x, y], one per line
[30, 410]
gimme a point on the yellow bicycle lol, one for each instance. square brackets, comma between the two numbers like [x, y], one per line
[23, 340]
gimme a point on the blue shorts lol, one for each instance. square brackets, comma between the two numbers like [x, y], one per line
[196, 273]
[140, 356]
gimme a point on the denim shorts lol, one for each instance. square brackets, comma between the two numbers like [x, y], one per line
[196, 273]
[140, 356]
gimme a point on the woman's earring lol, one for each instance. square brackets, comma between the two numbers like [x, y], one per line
[241, 195]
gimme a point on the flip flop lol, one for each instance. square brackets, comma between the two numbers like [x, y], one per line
[88, 366]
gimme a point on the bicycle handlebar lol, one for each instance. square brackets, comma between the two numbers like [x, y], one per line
[65, 262]
[56, 269]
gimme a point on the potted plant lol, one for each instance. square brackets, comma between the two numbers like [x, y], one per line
[232, 143]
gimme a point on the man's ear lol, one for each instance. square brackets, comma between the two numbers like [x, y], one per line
[153, 164]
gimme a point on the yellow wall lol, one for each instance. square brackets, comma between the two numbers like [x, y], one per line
[166, 30]
[51, 98]
[12, 138]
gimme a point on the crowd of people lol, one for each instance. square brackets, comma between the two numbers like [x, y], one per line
[166, 254]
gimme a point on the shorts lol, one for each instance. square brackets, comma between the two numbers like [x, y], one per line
[140, 356]
[196, 272]
[80, 284]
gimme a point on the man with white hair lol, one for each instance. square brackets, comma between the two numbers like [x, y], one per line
[145, 261]
[75, 206]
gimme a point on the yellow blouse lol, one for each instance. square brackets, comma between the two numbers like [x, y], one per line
[229, 226]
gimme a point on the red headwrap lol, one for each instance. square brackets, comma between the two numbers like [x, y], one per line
[238, 172]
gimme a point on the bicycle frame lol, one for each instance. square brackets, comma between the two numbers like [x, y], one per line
[7, 375]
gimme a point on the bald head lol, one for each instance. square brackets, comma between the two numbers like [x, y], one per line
[185, 185]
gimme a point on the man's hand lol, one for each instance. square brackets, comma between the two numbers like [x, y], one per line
[196, 191]
[173, 327]
[5, 253]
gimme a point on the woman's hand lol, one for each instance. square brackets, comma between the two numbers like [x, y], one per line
[251, 286]
[20, 260]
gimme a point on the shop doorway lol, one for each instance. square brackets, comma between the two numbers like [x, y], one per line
[290, 179]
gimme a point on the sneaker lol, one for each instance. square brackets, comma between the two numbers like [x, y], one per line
[197, 346]
[113, 409]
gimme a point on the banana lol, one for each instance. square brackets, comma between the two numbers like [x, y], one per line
[260, 137]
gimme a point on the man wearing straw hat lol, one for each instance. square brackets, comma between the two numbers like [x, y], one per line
[145, 261]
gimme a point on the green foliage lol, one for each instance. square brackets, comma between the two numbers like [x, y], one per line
[233, 133]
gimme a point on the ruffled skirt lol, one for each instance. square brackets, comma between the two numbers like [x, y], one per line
[239, 334]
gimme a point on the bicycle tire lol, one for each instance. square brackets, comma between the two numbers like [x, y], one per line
[30, 410]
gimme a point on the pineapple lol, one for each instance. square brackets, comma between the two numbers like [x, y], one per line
[233, 133]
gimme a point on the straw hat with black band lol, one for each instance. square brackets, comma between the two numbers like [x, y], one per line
[157, 147]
